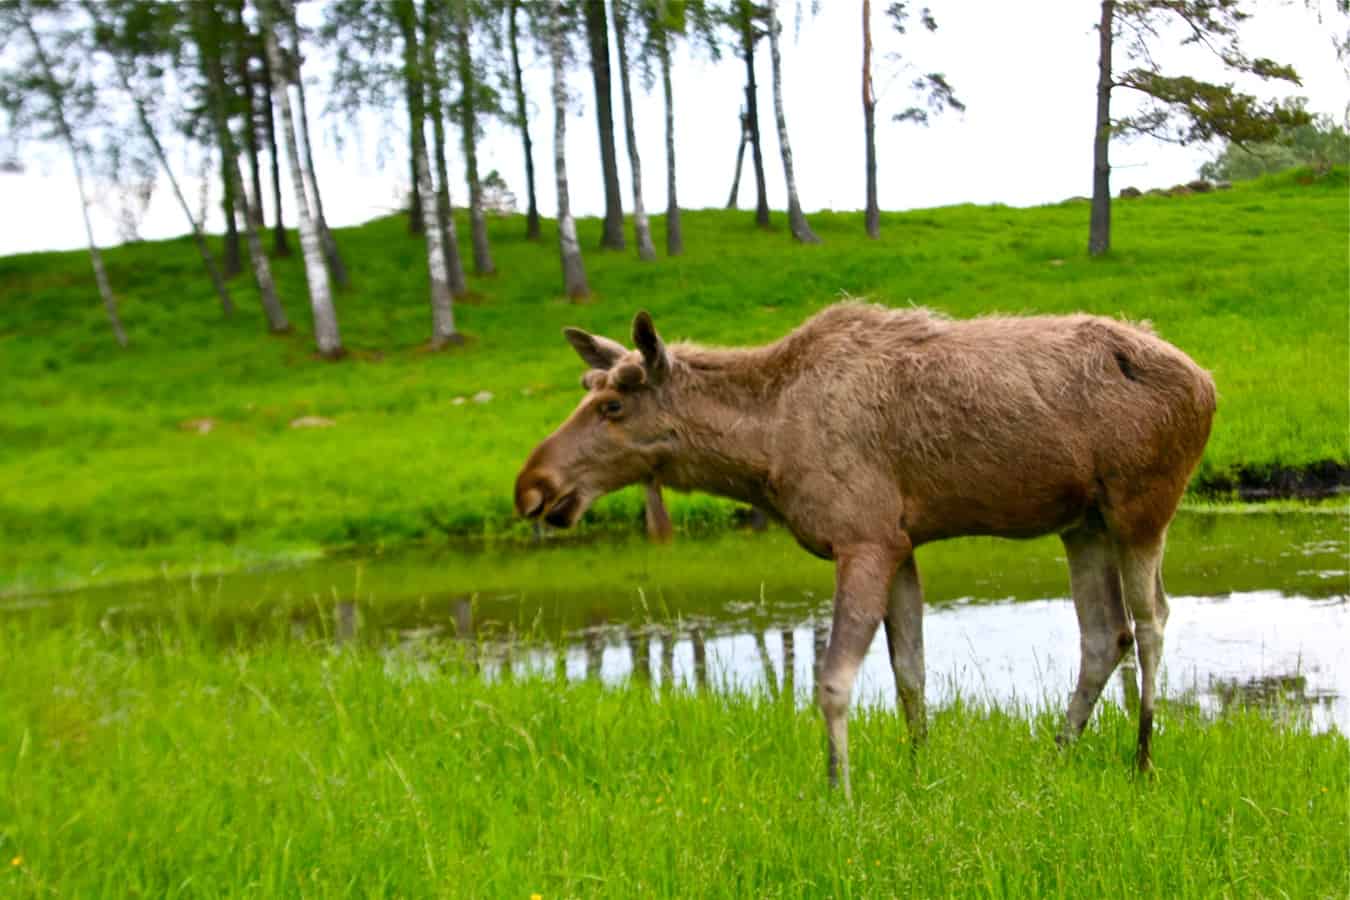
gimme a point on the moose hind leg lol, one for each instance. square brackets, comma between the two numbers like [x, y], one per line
[1103, 627]
[1141, 574]
[904, 640]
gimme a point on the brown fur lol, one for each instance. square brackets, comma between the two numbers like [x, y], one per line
[869, 431]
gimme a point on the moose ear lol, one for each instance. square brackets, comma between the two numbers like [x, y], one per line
[654, 356]
[596, 351]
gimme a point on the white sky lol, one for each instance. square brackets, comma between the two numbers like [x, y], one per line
[1028, 81]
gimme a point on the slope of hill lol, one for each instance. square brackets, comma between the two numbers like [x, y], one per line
[179, 451]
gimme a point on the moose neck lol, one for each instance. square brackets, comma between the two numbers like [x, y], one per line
[725, 401]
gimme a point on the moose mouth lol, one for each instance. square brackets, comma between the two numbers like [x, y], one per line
[564, 511]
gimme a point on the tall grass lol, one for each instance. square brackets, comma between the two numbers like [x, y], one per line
[158, 764]
[97, 469]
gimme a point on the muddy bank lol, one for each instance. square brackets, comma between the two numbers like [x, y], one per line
[1315, 481]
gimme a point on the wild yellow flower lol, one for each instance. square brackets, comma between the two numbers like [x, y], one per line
[16, 861]
[536, 897]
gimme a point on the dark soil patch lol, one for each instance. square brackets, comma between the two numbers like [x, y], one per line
[1327, 478]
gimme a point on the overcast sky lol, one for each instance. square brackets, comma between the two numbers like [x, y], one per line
[1028, 81]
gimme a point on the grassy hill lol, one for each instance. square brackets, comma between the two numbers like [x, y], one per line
[101, 478]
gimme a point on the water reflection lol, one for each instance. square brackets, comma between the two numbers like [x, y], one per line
[1264, 649]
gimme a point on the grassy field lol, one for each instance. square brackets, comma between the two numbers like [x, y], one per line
[100, 479]
[155, 763]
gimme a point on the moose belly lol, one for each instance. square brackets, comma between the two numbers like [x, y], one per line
[1013, 509]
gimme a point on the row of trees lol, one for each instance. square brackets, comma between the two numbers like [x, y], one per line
[228, 76]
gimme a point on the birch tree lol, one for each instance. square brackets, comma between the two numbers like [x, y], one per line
[574, 271]
[522, 118]
[109, 38]
[469, 130]
[206, 32]
[270, 76]
[641, 230]
[797, 223]
[597, 41]
[428, 75]
[64, 96]
[743, 18]
[326, 334]
[443, 332]
[1177, 108]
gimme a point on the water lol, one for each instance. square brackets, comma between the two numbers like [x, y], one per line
[1259, 614]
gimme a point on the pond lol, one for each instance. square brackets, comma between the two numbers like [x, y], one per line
[1259, 614]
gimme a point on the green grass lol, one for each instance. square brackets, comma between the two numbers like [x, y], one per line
[156, 763]
[97, 475]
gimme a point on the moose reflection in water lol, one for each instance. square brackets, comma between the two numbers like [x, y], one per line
[869, 432]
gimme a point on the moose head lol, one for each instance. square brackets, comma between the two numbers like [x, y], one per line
[622, 432]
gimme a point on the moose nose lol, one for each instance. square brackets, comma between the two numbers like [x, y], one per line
[533, 491]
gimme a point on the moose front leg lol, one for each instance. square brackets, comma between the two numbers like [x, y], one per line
[862, 581]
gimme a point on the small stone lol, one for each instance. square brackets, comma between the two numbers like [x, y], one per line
[482, 397]
[203, 425]
[1056, 262]
[1127, 193]
[458, 401]
[312, 422]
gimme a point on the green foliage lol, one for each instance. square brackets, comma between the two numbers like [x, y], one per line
[155, 762]
[98, 466]
[1319, 144]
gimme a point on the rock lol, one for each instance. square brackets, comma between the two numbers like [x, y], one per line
[458, 401]
[1200, 186]
[1179, 190]
[312, 422]
[1126, 193]
[482, 397]
[204, 425]
[1223, 185]
[1079, 199]
[1056, 262]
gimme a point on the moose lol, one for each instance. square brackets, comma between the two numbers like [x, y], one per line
[869, 431]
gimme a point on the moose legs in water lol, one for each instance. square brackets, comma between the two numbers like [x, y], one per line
[904, 640]
[1103, 627]
[863, 578]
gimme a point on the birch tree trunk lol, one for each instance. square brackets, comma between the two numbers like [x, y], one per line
[234, 263]
[434, 87]
[869, 101]
[53, 90]
[752, 114]
[740, 158]
[597, 38]
[574, 272]
[641, 230]
[214, 73]
[796, 220]
[674, 230]
[468, 123]
[336, 267]
[1099, 227]
[443, 332]
[271, 75]
[316, 272]
[122, 68]
[522, 117]
[250, 119]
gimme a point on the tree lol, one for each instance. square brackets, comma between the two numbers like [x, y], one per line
[933, 86]
[1320, 144]
[432, 88]
[574, 271]
[797, 223]
[207, 27]
[1179, 108]
[522, 119]
[316, 271]
[744, 16]
[641, 230]
[443, 331]
[336, 266]
[597, 40]
[124, 46]
[270, 78]
[469, 85]
[65, 97]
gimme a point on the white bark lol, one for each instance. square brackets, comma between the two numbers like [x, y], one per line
[574, 272]
[796, 219]
[641, 229]
[316, 272]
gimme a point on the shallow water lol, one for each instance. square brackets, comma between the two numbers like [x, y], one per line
[1259, 614]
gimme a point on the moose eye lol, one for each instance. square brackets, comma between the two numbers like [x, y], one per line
[611, 408]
